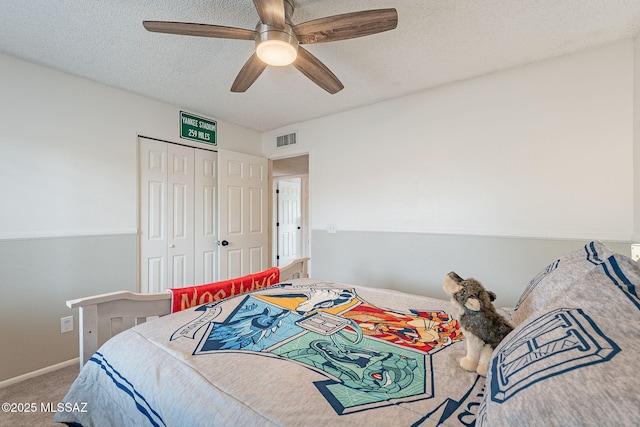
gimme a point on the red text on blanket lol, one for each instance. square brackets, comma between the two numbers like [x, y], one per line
[198, 295]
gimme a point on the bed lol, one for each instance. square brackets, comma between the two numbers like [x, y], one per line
[311, 352]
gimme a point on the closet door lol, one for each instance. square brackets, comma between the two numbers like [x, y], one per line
[185, 200]
[178, 221]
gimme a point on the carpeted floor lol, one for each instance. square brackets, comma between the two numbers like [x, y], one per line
[40, 394]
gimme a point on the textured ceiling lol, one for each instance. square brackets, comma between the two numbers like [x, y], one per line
[436, 42]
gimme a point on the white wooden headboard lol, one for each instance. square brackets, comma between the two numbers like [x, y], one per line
[117, 306]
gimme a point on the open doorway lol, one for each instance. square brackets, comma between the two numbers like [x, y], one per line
[291, 208]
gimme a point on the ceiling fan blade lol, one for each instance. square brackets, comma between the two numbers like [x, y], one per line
[316, 71]
[201, 30]
[346, 26]
[271, 12]
[250, 71]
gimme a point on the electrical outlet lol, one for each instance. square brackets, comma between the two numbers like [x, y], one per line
[66, 324]
[332, 228]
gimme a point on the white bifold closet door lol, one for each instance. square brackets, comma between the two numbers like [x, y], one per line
[178, 216]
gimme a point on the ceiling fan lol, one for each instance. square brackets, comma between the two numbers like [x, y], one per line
[278, 40]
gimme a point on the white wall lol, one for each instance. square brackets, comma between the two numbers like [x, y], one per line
[494, 177]
[544, 150]
[69, 162]
[68, 184]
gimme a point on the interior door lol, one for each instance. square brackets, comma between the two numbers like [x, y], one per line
[243, 205]
[289, 219]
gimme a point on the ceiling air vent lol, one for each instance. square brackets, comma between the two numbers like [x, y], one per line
[285, 140]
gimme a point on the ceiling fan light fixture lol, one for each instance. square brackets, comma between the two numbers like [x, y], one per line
[276, 46]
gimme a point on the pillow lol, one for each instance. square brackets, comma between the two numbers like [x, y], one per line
[556, 277]
[574, 360]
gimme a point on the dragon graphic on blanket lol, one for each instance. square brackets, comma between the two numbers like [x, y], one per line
[358, 368]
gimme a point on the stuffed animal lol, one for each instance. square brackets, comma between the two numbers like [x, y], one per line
[479, 322]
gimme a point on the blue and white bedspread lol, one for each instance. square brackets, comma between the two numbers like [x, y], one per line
[326, 354]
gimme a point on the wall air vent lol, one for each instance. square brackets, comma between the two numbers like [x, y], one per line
[285, 140]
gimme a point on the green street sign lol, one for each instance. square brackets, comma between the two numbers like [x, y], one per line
[197, 128]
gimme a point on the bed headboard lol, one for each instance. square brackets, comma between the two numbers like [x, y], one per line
[115, 307]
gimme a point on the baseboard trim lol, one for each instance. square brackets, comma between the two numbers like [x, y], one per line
[29, 375]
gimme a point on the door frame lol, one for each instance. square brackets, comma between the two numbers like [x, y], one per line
[273, 208]
[304, 213]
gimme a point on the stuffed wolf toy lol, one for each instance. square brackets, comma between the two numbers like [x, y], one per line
[479, 322]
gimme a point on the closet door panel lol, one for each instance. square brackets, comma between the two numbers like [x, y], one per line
[153, 215]
[181, 216]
